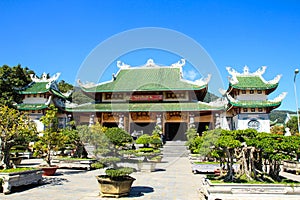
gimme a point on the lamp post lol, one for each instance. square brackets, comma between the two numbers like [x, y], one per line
[297, 108]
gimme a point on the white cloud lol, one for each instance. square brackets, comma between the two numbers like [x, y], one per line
[190, 75]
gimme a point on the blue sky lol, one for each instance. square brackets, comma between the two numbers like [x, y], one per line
[57, 36]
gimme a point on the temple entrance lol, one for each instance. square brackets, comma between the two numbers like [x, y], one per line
[175, 131]
[142, 128]
[203, 126]
[110, 124]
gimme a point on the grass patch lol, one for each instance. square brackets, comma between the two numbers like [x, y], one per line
[21, 169]
[206, 162]
[68, 158]
[214, 179]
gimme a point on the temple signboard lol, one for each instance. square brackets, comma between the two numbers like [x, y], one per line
[146, 97]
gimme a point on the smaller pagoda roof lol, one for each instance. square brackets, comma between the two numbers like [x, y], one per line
[251, 81]
[137, 107]
[35, 88]
[149, 77]
[43, 85]
[256, 103]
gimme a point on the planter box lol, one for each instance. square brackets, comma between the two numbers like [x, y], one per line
[73, 163]
[235, 190]
[291, 166]
[114, 188]
[20, 178]
[26, 154]
[146, 166]
[16, 160]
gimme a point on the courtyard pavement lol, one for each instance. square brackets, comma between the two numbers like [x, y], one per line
[173, 179]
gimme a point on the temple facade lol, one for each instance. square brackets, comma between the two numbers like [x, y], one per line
[139, 98]
[142, 97]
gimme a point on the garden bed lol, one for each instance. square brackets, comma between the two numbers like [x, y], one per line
[73, 163]
[18, 177]
[236, 190]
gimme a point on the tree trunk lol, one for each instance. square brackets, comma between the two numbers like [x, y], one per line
[229, 175]
[5, 157]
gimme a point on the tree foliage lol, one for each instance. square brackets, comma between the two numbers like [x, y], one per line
[12, 79]
[64, 86]
[52, 138]
[15, 129]
[292, 124]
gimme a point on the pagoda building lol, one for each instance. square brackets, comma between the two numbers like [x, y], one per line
[140, 98]
[37, 97]
[248, 104]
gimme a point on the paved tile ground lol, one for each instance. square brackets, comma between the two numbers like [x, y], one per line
[173, 179]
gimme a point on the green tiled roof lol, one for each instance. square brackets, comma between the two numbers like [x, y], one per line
[31, 106]
[146, 79]
[252, 82]
[136, 107]
[58, 93]
[255, 104]
[35, 88]
[40, 88]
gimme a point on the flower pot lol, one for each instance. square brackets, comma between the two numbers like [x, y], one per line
[148, 166]
[49, 171]
[116, 187]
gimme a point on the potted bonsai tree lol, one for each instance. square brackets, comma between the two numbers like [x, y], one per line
[15, 129]
[116, 181]
[51, 140]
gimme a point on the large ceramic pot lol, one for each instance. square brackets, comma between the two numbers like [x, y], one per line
[49, 171]
[116, 187]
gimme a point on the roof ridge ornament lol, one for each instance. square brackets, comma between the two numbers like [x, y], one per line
[180, 63]
[260, 70]
[246, 70]
[279, 98]
[150, 63]
[44, 78]
[203, 80]
[275, 80]
[86, 84]
[122, 65]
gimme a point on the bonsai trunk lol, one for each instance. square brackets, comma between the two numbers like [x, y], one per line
[5, 157]
[48, 156]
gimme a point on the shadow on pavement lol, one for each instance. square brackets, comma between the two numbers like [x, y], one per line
[138, 191]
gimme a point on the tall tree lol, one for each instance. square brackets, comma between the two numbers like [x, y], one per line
[12, 78]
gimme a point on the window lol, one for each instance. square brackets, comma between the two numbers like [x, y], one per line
[259, 92]
[245, 109]
[252, 109]
[251, 91]
[260, 109]
[243, 91]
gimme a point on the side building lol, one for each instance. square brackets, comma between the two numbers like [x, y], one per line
[37, 97]
[140, 98]
[248, 103]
